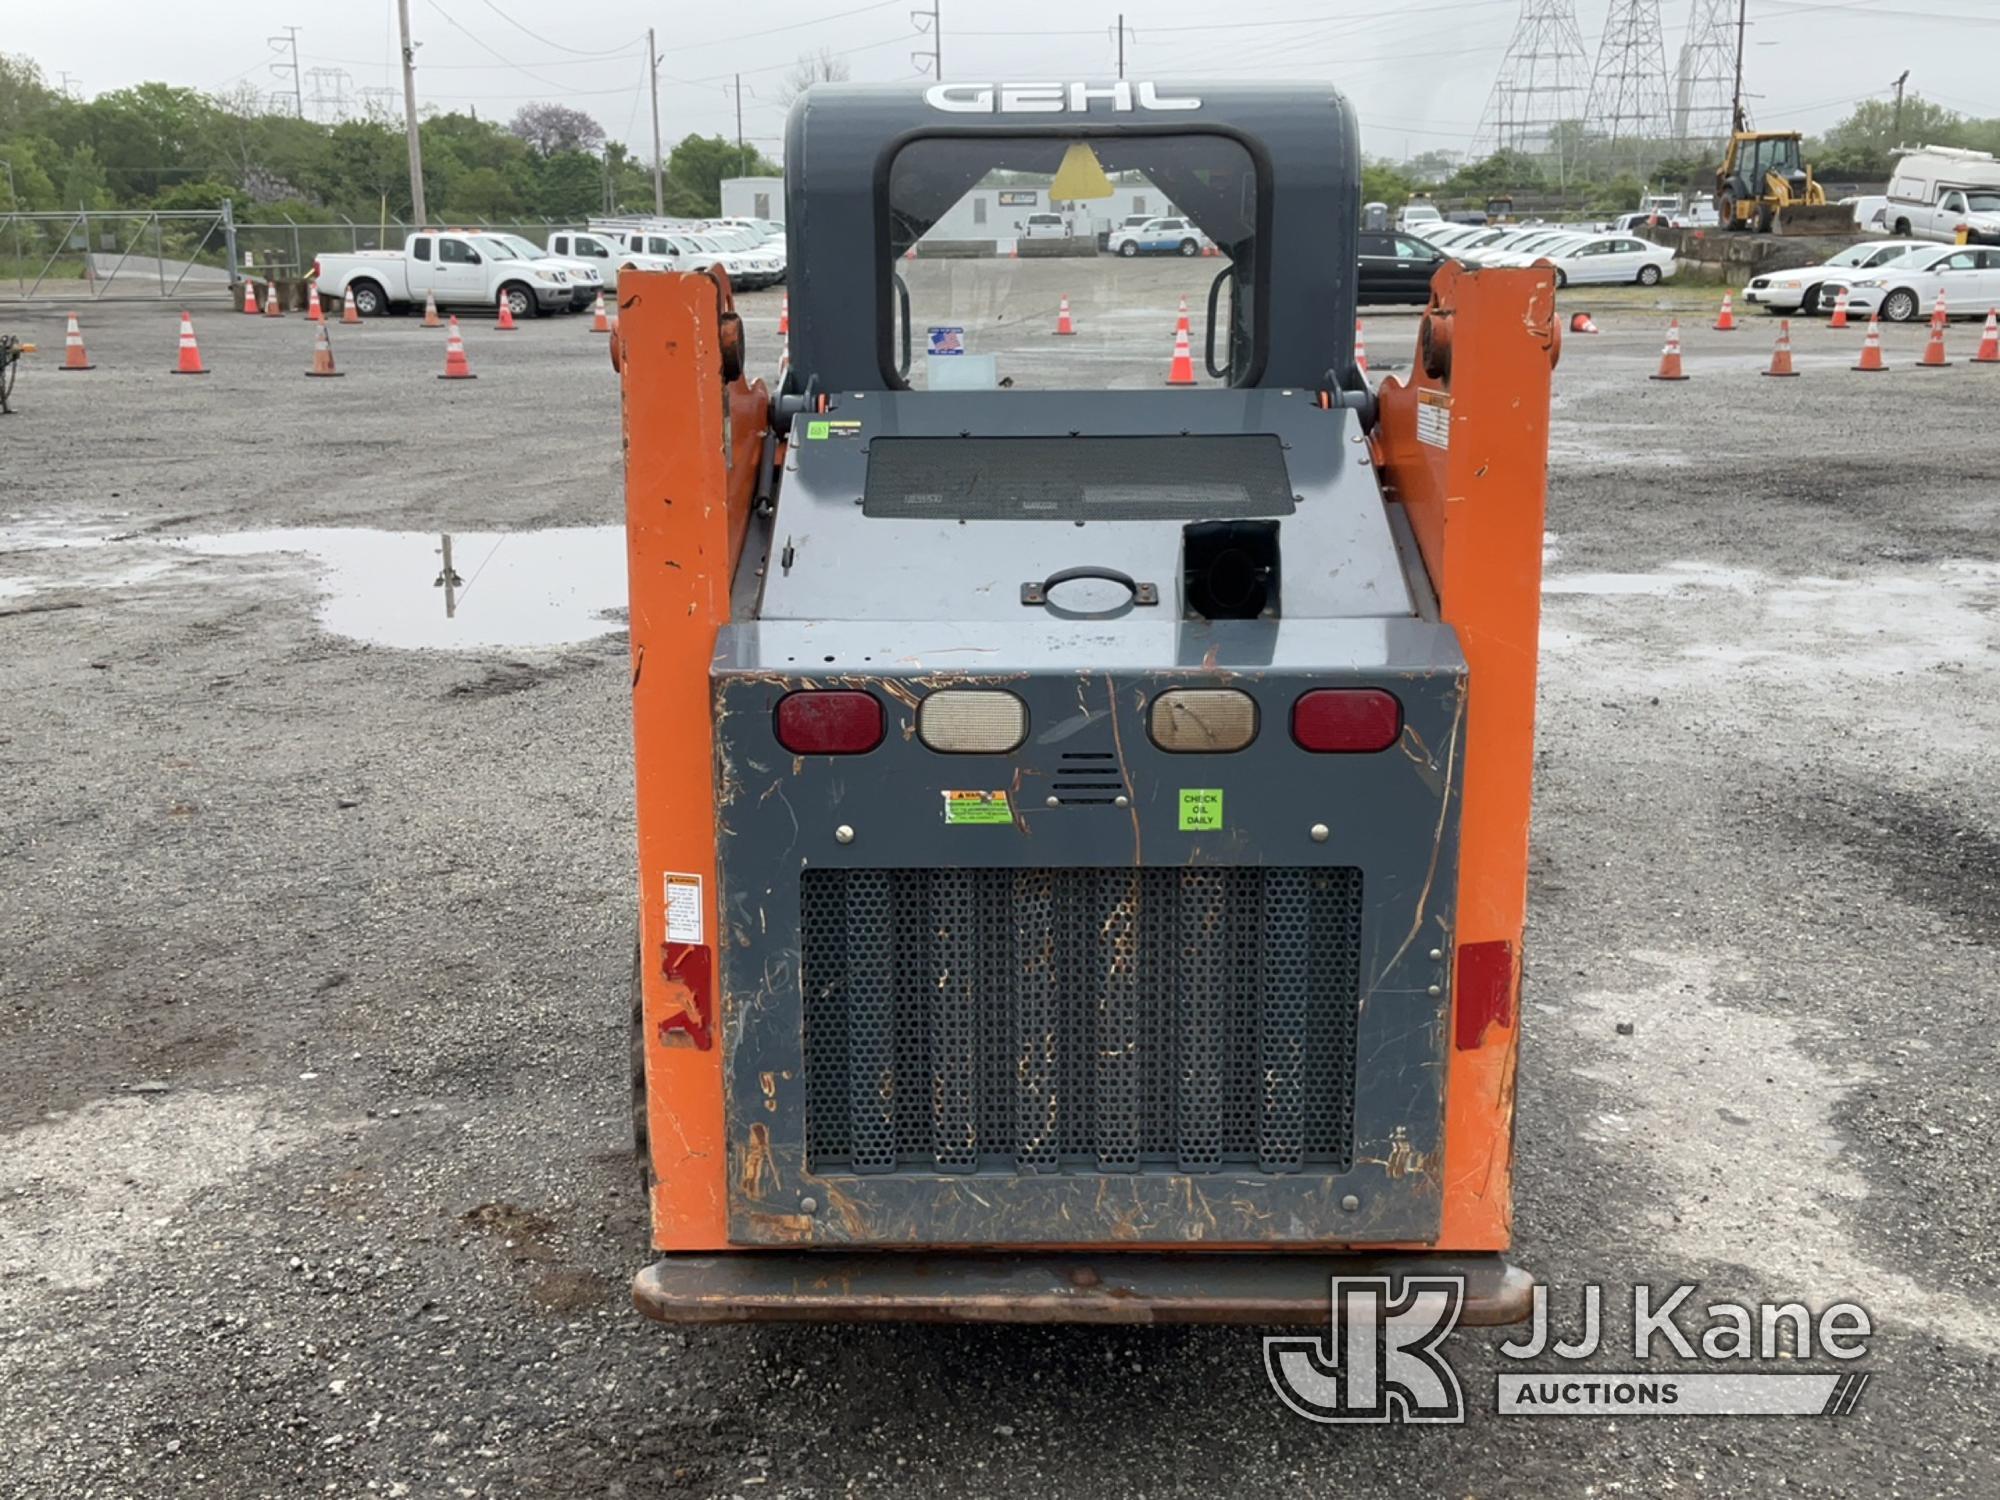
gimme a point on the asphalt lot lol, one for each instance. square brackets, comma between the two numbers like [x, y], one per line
[316, 1177]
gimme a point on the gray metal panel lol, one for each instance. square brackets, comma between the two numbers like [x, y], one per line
[841, 138]
[1388, 815]
[1339, 556]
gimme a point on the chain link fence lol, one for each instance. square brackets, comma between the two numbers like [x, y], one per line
[114, 256]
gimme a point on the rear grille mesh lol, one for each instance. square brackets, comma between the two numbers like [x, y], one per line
[1105, 1020]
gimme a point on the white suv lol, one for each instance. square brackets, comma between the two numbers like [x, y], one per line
[1156, 237]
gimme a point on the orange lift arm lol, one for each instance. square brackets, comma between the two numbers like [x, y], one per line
[1463, 445]
[693, 431]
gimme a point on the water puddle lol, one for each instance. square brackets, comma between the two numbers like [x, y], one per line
[468, 590]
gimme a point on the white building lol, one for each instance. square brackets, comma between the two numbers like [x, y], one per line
[754, 198]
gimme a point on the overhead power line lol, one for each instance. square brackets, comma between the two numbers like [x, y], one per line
[573, 51]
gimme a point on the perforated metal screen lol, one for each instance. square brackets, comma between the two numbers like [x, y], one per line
[1201, 476]
[1107, 1020]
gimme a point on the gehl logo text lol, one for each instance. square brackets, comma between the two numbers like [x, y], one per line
[1381, 1362]
[1049, 98]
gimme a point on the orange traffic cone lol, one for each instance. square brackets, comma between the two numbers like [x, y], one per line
[1939, 317]
[1580, 323]
[272, 307]
[911, 253]
[1670, 356]
[1725, 321]
[1989, 341]
[456, 365]
[349, 313]
[1181, 326]
[74, 355]
[314, 314]
[1360, 349]
[1933, 357]
[1181, 371]
[784, 315]
[1871, 346]
[1781, 356]
[190, 361]
[599, 323]
[322, 365]
[431, 318]
[1839, 318]
[506, 320]
[1064, 327]
[250, 296]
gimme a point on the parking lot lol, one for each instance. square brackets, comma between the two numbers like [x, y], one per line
[318, 902]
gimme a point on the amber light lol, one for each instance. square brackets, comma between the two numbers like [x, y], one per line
[1191, 721]
[972, 721]
[1346, 721]
[836, 721]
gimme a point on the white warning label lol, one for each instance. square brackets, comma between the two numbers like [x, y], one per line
[684, 908]
[1434, 418]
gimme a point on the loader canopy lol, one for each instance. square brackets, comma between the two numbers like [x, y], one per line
[1041, 181]
[1007, 227]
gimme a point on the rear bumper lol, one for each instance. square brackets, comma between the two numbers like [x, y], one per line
[1058, 1287]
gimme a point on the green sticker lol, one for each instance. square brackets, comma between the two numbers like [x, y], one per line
[818, 429]
[977, 808]
[1201, 808]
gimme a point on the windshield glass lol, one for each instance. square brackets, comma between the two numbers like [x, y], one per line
[1983, 203]
[497, 247]
[525, 248]
[984, 293]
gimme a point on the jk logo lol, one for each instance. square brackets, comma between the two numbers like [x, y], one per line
[1381, 1362]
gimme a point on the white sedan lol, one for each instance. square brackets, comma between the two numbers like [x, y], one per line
[1610, 257]
[1798, 290]
[1906, 288]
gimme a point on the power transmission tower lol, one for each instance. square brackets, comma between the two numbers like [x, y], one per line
[1628, 92]
[931, 23]
[1539, 97]
[290, 41]
[1703, 74]
[329, 88]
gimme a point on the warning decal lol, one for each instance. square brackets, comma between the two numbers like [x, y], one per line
[1434, 418]
[1201, 808]
[977, 808]
[685, 913]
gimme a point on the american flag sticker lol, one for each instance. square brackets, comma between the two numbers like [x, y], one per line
[947, 341]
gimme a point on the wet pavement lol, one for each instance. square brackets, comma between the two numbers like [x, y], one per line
[317, 904]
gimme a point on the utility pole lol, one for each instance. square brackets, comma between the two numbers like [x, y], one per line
[739, 122]
[69, 81]
[1121, 44]
[418, 211]
[1898, 131]
[659, 185]
[1736, 99]
[931, 21]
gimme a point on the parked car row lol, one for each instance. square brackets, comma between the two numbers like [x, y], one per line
[1906, 287]
[476, 267]
[1398, 267]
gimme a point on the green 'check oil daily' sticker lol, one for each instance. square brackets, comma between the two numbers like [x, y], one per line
[973, 808]
[1201, 808]
[827, 429]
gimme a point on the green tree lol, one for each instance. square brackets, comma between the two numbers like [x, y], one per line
[84, 184]
[1382, 183]
[696, 167]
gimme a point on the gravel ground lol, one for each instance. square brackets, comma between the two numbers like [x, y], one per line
[316, 1175]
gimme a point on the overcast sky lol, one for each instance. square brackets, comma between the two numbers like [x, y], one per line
[1419, 72]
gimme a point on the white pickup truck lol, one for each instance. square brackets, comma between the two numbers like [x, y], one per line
[1938, 190]
[461, 267]
[607, 252]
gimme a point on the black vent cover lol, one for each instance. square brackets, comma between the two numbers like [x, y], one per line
[1201, 477]
[1095, 1020]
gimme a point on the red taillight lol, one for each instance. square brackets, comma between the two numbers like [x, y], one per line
[1346, 720]
[838, 721]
